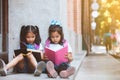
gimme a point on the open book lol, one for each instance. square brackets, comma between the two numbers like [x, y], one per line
[57, 57]
[36, 53]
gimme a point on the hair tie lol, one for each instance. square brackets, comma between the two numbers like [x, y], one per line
[55, 22]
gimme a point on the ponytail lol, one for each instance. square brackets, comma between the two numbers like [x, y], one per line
[38, 39]
[22, 36]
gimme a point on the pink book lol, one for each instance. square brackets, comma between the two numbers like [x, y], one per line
[57, 57]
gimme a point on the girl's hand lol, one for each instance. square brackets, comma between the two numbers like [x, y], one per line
[28, 53]
[45, 57]
[69, 57]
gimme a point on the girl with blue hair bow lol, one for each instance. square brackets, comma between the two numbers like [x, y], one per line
[56, 42]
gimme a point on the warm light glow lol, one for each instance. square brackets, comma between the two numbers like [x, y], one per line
[115, 2]
[108, 5]
[109, 16]
[117, 21]
[106, 13]
[103, 1]
[102, 24]
[109, 19]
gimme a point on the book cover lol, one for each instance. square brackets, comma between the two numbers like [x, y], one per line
[36, 53]
[58, 56]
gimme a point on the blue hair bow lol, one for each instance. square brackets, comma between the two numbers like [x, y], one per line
[54, 22]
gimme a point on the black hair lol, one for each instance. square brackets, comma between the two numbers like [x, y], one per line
[26, 29]
[54, 28]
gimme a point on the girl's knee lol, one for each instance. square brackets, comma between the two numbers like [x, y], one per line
[29, 55]
[20, 57]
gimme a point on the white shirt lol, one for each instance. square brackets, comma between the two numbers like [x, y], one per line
[41, 47]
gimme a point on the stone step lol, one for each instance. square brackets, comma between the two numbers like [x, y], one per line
[78, 58]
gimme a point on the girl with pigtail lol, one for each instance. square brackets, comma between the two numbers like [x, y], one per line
[27, 63]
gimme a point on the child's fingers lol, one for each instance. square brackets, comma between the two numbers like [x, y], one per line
[66, 56]
[45, 57]
[28, 53]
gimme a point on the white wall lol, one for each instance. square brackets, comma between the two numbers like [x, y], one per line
[36, 12]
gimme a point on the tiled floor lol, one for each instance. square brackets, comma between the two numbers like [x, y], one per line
[99, 67]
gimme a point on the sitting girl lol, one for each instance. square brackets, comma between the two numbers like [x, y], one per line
[26, 63]
[56, 42]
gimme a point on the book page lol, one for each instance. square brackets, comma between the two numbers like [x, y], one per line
[39, 51]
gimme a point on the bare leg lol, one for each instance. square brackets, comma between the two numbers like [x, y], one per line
[35, 67]
[14, 61]
[32, 61]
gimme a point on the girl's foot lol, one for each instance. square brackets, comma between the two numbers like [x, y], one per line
[67, 73]
[3, 71]
[50, 69]
[41, 65]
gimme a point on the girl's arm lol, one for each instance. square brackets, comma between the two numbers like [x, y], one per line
[42, 55]
[69, 55]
